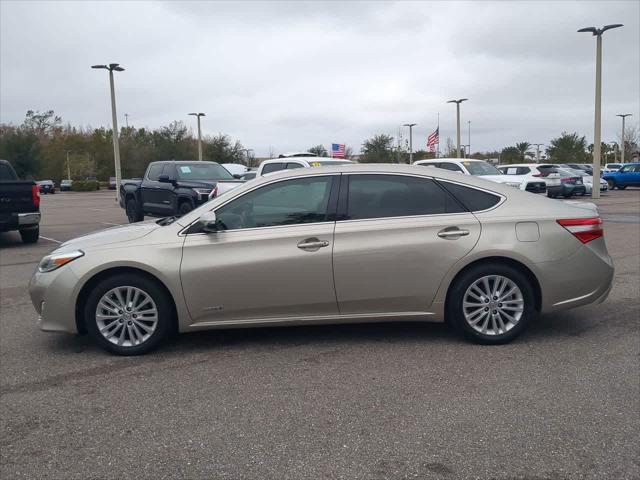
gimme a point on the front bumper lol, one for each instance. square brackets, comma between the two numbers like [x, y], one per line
[54, 299]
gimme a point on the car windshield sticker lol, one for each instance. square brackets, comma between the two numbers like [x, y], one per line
[185, 169]
[315, 164]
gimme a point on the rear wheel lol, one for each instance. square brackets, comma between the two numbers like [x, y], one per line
[491, 304]
[133, 213]
[612, 184]
[30, 235]
[128, 314]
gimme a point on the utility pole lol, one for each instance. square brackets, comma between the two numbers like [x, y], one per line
[623, 116]
[68, 167]
[537, 145]
[597, 32]
[126, 119]
[469, 139]
[410, 125]
[458, 102]
[198, 115]
[116, 146]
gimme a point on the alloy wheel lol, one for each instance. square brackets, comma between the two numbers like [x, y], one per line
[493, 305]
[126, 316]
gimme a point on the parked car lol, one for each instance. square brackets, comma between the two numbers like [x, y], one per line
[174, 188]
[250, 175]
[545, 172]
[486, 170]
[235, 169]
[611, 167]
[587, 180]
[66, 185]
[588, 169]
[46, 186]
[19, 204]
[112, 183]
[627, 176]
[297, 160]
[331, 245]
[571, 184]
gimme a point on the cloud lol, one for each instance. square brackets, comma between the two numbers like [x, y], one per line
[288, 75]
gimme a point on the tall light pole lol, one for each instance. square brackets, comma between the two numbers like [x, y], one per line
[597, 32]
[199, 134]
[458, 102]
[623, 116]
[537, 145]
[469, 139]
[116, 147]
[410, 125]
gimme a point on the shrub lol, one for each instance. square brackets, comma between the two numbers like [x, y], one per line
[85, 185]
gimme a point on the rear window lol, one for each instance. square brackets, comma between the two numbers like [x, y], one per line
[272, 167]
[481, 168]
[472, 199]
[7, 173]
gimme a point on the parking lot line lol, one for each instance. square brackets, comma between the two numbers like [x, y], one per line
[50, 239]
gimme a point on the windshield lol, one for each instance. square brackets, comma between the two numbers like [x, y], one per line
[202, 171]
[614, 165]
[481, 168]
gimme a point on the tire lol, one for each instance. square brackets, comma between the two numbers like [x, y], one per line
[621, 187]
[184, 208]
[129, 335]
[30, 235]
[566, 195]
[461, 315]
[133, 213]
[612, 184]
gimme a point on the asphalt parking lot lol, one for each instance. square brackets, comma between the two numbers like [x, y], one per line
[380, 401]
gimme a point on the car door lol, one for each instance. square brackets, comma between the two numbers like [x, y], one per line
[151, 190]
[270, 258]
[395, 239]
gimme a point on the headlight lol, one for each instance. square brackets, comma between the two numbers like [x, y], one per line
[52, 262]
[203, 191]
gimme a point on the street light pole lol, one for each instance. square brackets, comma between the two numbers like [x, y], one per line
[458, 102]
[116, 146]
[198, 115]
[597, 32]
[469, 139]
[537, 145]
[410, 125]
[623, 116]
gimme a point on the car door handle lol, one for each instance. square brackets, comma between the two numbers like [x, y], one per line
[312, 244]
[452, 233]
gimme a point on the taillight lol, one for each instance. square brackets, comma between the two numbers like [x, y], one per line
[536, 175]
[566, 180]
[35, 195]
[584, 229]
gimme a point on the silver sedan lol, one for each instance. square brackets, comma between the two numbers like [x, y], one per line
[336, 244]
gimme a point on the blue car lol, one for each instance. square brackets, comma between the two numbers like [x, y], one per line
[627, 176]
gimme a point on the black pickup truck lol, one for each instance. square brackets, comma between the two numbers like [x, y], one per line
[19, 204]
[174, 188]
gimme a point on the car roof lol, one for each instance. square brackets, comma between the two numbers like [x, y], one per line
[438, 160]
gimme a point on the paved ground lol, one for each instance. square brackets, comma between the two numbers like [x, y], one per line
[365, 401]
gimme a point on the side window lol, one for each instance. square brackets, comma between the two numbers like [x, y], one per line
[382, 196]
[292, 165]
[170, 170]
[450, 166]
[301, 200]
[474, 200]
[155, 171]
[523, 170]
[272, 167]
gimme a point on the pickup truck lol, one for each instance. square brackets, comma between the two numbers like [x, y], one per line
[19, 204]
[173, 188]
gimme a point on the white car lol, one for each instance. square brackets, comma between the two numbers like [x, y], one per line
[546, 172]
[611, 167]
[235, 168]
[480, 168]
[288, 163]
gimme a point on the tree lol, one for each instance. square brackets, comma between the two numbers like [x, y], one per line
[568, 148]
[22, 148]
[319, 151]
[220, 149]
[42, 123]
[631, 140]
[523, 147]
[378, 149]
[510, 155]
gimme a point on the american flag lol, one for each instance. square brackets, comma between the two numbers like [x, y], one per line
[433, 139]
[337, 150]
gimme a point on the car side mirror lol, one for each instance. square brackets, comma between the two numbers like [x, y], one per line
[237, 176]
[209, 222]
[165, 179]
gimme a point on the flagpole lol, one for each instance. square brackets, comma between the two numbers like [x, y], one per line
[438, 129]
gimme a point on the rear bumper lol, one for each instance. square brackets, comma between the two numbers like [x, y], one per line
[18, 221]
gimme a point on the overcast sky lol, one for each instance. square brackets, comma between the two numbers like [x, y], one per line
[290, 75]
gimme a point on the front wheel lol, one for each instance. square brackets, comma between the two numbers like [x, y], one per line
[133, 214]
[621, 187]
[491, 303]
[184, 208]
[612, 184]
[128, 314]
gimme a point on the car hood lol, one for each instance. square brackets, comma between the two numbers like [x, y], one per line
[108, 236]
